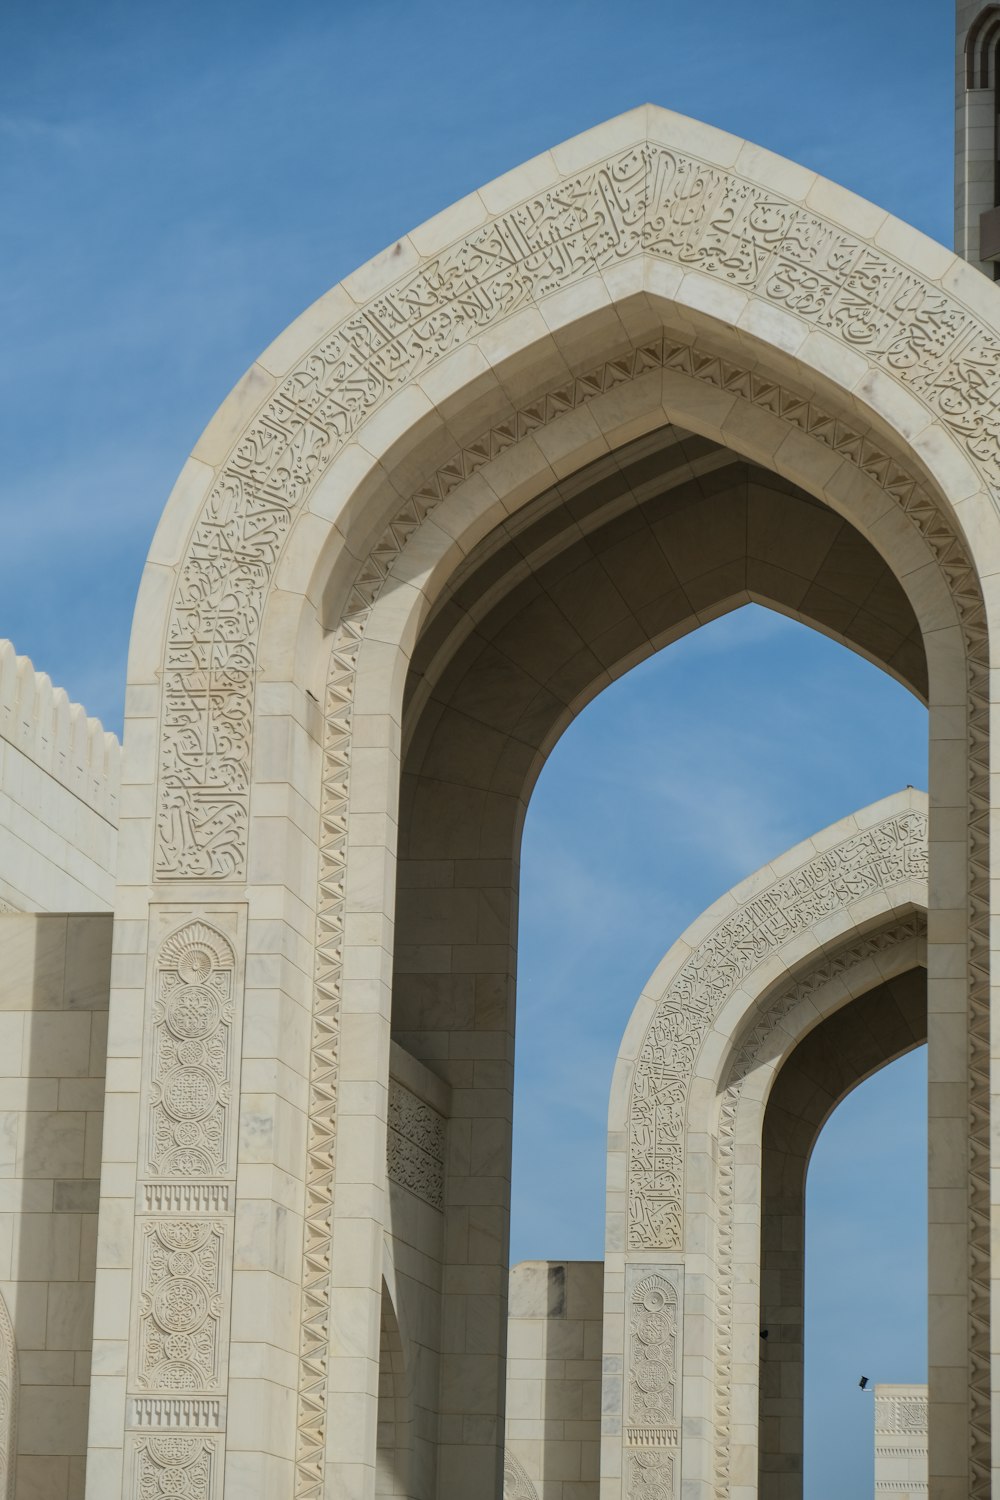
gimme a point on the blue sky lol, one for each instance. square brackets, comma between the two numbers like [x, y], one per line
[180, 181]
[684, 776]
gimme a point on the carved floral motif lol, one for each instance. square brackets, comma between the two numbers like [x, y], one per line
[651, 1476]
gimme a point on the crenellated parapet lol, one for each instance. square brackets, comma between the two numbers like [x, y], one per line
[60, 775]
[58, 735]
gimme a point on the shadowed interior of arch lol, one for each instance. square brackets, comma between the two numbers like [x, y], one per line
[848, 1047]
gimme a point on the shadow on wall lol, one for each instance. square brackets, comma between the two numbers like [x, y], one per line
[394, 1451]
[54, 985]
[555, 1335]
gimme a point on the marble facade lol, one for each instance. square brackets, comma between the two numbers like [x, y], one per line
[651, 375]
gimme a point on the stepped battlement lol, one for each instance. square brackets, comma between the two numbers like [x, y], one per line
[57, 735]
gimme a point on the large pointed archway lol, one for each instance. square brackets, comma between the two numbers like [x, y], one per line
[653, 275]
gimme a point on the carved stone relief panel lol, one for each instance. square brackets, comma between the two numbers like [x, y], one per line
[193, 1057]
[181, 1326]
[169, 1464]
[415, 1145]
[185, 1199]
[651, 1432]
[887, 854]
[904, 1415]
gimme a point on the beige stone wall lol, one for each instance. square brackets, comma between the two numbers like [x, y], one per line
[900, 1442]
[59, 778]
[54, 982]
[554, 1336]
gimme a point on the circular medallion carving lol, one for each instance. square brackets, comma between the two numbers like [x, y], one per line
[190, 1093]
[192, 1012]
[195, 966]
[649, 1330]
[173, 1482]
[652, 1376]
[180, 1305]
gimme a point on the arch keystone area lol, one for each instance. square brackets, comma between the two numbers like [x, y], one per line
[688, 321]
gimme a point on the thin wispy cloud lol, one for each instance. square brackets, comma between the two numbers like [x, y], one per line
[29, 130]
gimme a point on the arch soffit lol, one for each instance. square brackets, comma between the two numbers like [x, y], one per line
[515, 560]
[870, 488]
[863, 971]
[630, 213]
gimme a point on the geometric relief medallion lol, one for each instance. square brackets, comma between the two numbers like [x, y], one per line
[651, 1450]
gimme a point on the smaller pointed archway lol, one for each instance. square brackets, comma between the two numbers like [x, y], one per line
[801, 982]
